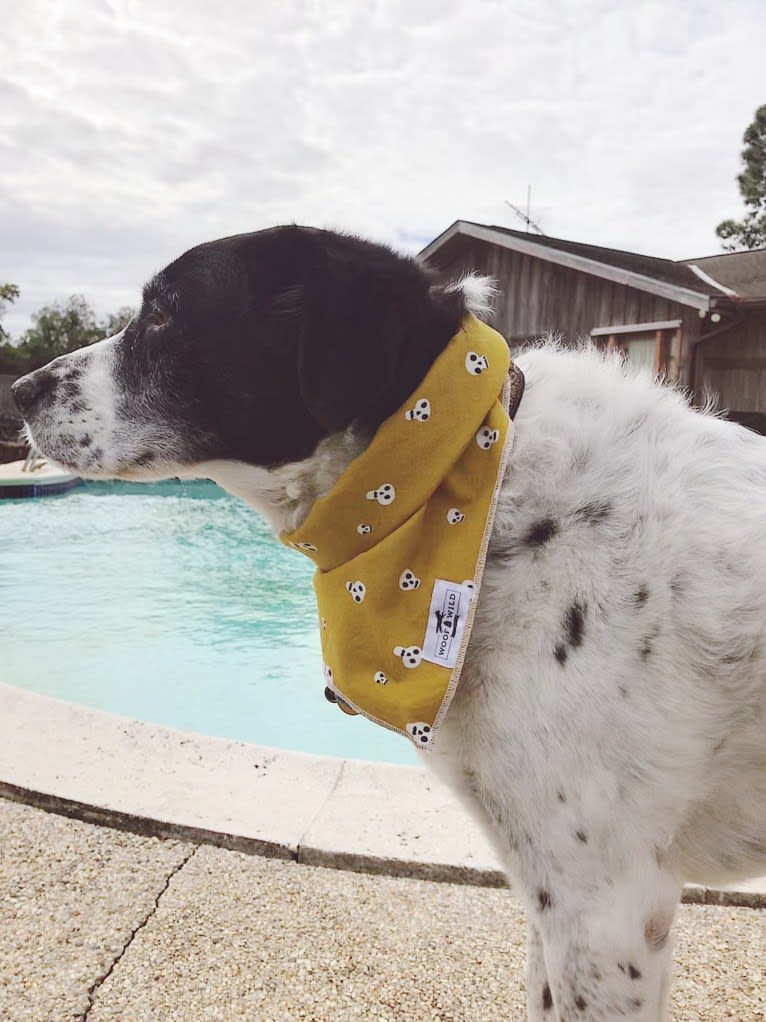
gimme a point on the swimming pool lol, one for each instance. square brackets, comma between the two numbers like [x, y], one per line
[171, 603]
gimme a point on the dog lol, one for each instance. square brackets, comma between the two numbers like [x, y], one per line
[608, 728]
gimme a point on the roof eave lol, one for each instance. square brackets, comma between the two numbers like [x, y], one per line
[629, 278]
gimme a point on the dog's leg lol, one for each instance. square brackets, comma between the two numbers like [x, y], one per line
[607, 955]
[539, 996]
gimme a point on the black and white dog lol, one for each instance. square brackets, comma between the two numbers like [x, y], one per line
[610, 725]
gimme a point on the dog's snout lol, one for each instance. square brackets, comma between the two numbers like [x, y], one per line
[29, 389]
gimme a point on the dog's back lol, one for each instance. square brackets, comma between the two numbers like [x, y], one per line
[622, 623]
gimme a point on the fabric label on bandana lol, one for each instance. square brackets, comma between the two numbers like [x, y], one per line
[447, 616]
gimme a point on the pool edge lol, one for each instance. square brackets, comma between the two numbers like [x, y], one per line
[380, 818]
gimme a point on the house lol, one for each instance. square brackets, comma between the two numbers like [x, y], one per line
[699, 321]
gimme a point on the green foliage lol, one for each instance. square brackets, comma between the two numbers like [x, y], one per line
[56, 330]
[751, 231]
[8, 293]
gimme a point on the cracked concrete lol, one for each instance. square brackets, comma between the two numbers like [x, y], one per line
[94, 988]
[97, 925]
[71, 897]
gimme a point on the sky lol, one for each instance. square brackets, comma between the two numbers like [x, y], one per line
[131, 130]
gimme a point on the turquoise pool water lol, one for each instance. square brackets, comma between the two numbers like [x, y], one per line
[171, 603]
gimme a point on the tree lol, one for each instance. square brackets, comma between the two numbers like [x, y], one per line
[750, 232]
[8, 293]
[58, 329]
[115, 321]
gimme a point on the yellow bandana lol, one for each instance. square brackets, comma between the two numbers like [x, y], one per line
[400, 541]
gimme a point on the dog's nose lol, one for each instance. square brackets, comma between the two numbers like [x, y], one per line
[31, 388]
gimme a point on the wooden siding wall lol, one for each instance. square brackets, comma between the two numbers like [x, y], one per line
[539, 297]
[733, 366]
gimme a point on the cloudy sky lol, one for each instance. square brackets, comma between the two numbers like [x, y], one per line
[130, 130]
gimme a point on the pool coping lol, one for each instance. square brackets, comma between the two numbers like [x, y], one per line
[318, 810]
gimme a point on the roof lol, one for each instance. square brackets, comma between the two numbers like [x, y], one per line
[744, 272]
[736, 275]
[649, 266]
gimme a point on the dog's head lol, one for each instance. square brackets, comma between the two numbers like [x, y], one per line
[250, 349]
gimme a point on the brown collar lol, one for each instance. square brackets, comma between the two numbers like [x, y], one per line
[516, 380]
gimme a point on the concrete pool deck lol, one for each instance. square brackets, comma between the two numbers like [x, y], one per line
[316, 810]
[145, 919]
[100, 925]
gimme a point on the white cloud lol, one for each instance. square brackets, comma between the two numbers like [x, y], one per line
[131, 130]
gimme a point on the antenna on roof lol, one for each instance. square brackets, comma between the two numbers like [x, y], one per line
[525, 216]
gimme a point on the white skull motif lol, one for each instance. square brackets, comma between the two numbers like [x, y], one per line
[476, 364]
[363, 529]
[408, 580]
[455, 516]
[385, 494]
[411, 655]
[421, 734]
[421, 412]
[358, 590]
[486, 437]
[380, 678]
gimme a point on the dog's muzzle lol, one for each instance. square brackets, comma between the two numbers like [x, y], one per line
[31, 389]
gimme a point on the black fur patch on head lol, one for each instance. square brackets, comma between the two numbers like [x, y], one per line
[257, 346]
[543, 899]
[547, 998]
[639, 598]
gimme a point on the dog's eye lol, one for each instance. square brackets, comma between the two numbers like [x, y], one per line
[157, 320]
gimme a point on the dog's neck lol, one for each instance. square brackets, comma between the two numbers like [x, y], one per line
[284, 495]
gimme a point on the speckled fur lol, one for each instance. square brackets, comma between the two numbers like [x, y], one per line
[608, 729]
[610, 721]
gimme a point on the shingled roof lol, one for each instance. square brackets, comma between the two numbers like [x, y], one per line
[743, 272]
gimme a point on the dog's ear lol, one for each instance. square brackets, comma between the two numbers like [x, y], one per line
[372, 326]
